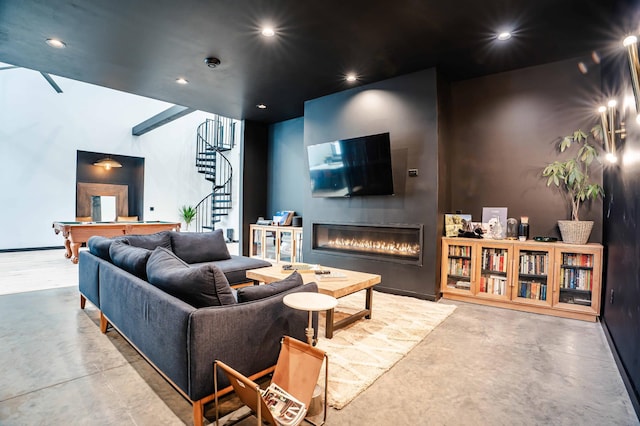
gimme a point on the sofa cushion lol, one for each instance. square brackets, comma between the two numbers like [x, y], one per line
[201, 286]
[131, 259]
[235, 268]
[150, 241]
[197, 247]
[256, 292]
[99, 246]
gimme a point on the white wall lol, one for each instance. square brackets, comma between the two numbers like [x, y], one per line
[41, 130]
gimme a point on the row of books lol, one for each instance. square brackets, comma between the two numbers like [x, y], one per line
[460, 251]
[532, 290]
[494, 259]
[575, 259]
[493, 284]
[460, 267]
[580, 279]
[534, 263]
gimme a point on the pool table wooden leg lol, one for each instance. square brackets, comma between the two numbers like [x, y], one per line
[67, 248]
[74, 251]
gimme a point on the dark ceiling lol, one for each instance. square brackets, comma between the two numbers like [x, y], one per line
[141, 47]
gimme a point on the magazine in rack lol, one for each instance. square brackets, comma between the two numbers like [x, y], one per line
[285, 409]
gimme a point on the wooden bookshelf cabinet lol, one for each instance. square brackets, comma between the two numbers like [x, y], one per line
[276, 243]
[546, 278]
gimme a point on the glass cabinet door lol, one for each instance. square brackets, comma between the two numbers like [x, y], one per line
[494, 267]
[297, 245]
[532, 283]
[578, 275]
[257, 243]
[286, 245]
[457, 267]
[271, 244]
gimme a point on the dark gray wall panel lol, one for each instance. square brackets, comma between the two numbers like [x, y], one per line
[406, 108]
[254, 178]
[504, 130]
[287, 166]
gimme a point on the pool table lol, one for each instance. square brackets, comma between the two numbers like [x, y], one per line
[76, 233]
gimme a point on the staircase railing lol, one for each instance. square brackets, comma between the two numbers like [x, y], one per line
[214, 137]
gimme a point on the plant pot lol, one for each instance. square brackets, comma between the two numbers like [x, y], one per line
[575, 231]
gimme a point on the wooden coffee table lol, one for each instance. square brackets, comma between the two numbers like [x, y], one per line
[355, 281]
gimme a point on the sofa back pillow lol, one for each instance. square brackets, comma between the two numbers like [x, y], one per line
[131, 259]
[198, 247]
[256, 292]
[201, 286]
[99, 246]
[150, 241]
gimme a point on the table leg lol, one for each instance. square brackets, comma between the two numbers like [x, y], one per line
[67, 248]
[74, 251]
[328, 328]
[368, 301]
[309, 330]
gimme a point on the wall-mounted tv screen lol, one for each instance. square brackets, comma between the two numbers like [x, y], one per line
[351, 167]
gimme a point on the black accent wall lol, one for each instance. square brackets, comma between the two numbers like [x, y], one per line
[131, 174]
[504, 128]
[253, 191]
[406, 107]
[621, 292]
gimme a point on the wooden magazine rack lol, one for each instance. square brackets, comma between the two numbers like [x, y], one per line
[296, 371]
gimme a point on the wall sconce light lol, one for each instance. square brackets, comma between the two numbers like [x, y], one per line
[631, 43]
[108, 163]
[609, 132]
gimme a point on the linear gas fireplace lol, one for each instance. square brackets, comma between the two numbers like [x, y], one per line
[394, 243]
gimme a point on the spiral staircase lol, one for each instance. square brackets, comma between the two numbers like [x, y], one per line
[214, 137]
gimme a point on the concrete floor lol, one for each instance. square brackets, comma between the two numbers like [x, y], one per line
[481, 366]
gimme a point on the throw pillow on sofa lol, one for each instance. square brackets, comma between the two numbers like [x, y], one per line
[198, 247]
[256, 292]
[131, 259]
[150, 241]
[201, 286]
[99, 246]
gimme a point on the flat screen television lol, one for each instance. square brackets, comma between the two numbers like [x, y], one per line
[351, 167]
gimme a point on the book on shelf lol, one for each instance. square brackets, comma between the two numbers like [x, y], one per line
[284, 407]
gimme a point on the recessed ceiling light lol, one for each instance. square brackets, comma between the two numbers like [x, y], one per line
[268, 32]
[182, 80]
[54, 42]
[261, 106]
[505, 35]
[351, 77]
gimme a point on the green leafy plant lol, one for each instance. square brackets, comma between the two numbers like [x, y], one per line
[573, 175]
[187, 214]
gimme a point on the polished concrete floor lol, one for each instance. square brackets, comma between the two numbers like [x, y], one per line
[481, 366]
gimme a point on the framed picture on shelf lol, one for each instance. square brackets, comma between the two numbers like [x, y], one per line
[455, 222]
[496, 220]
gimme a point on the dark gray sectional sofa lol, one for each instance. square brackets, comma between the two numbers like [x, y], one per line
[168, 294]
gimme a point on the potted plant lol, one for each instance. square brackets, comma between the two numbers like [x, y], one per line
[187, 214]
[573, 177]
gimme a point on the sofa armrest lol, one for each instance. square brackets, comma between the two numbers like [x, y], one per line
[88, 276]
[245, 336]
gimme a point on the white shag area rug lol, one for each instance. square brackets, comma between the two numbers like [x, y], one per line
[363, 351]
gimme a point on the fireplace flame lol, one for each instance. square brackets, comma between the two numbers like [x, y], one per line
[373, 246]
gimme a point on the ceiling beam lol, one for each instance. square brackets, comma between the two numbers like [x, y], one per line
[51, 82]
[163, 118]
